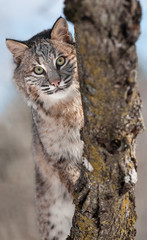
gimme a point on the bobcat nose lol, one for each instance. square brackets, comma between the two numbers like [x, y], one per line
[55, 83]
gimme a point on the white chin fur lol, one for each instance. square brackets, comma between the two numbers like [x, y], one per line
[62, 95]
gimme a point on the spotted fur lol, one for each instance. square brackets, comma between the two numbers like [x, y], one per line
[57, 120]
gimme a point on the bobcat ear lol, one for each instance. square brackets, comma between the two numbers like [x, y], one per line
[16, 48]
[60, 31]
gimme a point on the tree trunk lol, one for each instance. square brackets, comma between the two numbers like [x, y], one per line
[106, 32]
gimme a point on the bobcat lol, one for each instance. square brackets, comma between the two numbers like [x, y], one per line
[46, 73]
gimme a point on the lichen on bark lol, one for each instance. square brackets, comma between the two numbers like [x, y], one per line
[106, 32]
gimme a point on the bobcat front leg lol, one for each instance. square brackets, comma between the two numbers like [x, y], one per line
[54, 204]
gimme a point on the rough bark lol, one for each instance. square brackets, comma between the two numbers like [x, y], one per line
[106, 32]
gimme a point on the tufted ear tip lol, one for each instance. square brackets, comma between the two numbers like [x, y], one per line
[17, 48]
[60, 31]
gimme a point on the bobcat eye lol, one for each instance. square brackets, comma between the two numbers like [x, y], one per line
[60, 61]
[38, 70]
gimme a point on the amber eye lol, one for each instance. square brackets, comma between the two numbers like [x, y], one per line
[38, 70]
[60, 61]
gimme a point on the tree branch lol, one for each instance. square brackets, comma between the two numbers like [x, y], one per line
[106, 32]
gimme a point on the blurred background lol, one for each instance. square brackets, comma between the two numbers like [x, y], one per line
[21, 20]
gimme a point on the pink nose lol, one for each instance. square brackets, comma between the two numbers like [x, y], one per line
[55, 83]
